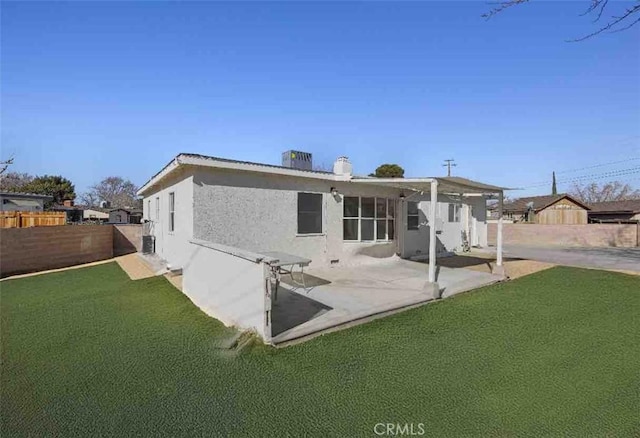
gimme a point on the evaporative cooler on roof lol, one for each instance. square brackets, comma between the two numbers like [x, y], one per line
[297, 160]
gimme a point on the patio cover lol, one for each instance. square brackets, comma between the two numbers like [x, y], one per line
[444, 185]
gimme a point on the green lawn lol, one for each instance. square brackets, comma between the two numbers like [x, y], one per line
[89, 352]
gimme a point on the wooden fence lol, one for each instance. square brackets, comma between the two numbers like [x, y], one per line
[25, 219]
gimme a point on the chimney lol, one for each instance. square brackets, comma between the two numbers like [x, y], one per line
[68, 202]
[343, 167]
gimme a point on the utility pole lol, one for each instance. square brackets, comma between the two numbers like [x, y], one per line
[449, 164]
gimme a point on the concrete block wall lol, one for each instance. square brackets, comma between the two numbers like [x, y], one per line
[596, 235]
[35, 249]
[127, 238]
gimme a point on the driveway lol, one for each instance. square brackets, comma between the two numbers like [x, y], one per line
[625, 259]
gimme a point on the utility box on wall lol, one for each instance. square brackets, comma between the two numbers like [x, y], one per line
[148, 244]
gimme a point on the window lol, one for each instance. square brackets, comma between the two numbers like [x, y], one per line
[157, 209]
[309, 213]
[413, 215]
[454, 212]
[172, 213]
[368, 219]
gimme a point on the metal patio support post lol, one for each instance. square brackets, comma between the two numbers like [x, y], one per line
[432, 285]
[499, 269]
[432, 231]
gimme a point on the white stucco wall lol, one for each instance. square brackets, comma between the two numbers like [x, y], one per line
[227, 287]
[173, 246]
[479, 212]
[258, 212]
[448, 234]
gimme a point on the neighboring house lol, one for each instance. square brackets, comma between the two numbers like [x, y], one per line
[74, 213]
[548, 209]
[22, 201]
[125, 216]
[328, 217]
[95, 214]
[613, 211]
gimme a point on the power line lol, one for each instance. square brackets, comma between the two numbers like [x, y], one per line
[603, 177]
[597, 165]
[585, 168]
[609, 174]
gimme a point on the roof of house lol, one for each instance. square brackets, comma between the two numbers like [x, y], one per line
[127, 210]
[628, 206]
[100, 209]
[250, 163]
[186, 159]
[539, 202]
[60, 207]
[24, 195]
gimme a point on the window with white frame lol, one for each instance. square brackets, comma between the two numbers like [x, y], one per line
[454, 212]
[309, 213]
[172, 213]
[368, 219]
[413, 215]
[157, 208]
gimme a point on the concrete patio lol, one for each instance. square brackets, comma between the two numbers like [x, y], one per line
[338, 297]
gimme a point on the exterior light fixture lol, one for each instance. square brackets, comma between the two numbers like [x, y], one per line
[334, 191]
[402, 196]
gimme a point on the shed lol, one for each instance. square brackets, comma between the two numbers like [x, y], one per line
[560, 209]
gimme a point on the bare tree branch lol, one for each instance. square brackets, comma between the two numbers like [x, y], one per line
[611, 191]
[4, 165]
[501, 7]
[596, 6]
[609, 26]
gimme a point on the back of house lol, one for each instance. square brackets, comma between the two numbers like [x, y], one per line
[327, 217]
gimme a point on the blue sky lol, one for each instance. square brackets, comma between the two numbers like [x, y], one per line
[94, 89]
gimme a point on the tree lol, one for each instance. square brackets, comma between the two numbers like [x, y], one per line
[611, 191]
[117, 191]
[14, 181]
[53, 185]
[618, 21]
[89, 199]
[388, 171]
[554, 187]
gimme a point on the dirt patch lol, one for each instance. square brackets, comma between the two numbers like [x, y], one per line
[134, 266]
[514, 267]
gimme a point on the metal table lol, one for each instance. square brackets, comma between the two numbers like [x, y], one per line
[286, 264]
